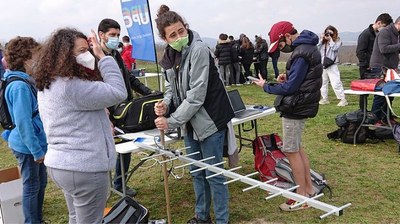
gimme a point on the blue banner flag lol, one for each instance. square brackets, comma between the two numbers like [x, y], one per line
[137, 19]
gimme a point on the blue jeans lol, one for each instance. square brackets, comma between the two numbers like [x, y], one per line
[213, 188]
[379, 105]
[34, 181]
[275, 65]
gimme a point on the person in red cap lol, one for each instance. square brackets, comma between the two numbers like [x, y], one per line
[298, 94]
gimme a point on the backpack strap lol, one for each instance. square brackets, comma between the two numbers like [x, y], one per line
[330, 190]
[33, 89]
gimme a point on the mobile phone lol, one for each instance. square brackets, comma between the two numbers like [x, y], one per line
[252, 78]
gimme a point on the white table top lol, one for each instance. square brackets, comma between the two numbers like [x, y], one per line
[265, 112]
[148, 135]
[379, 93]
[147, 138]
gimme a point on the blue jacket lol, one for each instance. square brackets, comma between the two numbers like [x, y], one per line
[298, 70]
[298, 97]
[28, 136]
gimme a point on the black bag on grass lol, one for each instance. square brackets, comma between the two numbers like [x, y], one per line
[127, 210]
[348, 124]
[137, 114]
[347, 133]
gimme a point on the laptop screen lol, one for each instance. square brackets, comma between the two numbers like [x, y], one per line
[236, 101]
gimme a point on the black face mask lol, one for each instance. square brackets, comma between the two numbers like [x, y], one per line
[287, 49]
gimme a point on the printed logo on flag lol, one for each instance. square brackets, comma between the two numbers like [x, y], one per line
[137, 20]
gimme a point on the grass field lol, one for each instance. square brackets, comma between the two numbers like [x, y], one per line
[367, 175]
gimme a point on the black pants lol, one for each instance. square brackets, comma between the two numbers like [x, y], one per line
[263, 69]
[247, 71]
[127, 160]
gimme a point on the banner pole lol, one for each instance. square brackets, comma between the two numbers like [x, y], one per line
[155, 49]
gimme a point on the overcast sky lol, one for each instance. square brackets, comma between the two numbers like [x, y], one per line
[39, 18]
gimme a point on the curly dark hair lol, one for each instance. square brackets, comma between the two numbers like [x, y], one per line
[18, 51]
[57, 59]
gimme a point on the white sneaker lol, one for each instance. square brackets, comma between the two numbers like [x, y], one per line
[238, 84]
[324, 101]
[342, 103]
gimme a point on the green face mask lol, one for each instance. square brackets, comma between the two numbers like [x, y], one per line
[179, 43]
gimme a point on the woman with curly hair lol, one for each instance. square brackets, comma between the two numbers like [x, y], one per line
[27, 139]
[73, 95]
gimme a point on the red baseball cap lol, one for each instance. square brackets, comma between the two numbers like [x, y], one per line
[277, 31]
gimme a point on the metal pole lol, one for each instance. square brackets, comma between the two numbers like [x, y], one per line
[165, 174]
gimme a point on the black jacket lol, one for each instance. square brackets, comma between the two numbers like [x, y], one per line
[223, 51]
[247, 55]
[261, 50]
[131, 82]
[304, 103]
[364, 46]
[235, 51]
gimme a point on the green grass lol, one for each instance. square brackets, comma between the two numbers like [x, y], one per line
[367, 175]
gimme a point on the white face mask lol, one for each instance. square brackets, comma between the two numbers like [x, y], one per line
[86, 59]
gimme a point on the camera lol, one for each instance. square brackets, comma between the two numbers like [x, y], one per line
[328, 35]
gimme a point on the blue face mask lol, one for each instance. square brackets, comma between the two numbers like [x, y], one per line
[112, 43]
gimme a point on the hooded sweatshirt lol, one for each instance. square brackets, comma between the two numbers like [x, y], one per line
[299, 68]
[28, 136]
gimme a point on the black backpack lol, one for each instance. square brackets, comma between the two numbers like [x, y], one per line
[127, 210]
[137, 114]
[5, 117]
[348, 124]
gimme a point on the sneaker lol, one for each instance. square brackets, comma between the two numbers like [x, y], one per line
[324, 101]
[238, 84]
[342, 103]
[286, 206]
[129, 191]
[196, 220]
[380, 123]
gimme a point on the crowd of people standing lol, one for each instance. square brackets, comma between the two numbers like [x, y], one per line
[233, 54]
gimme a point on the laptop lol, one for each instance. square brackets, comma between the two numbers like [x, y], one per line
[238, 106]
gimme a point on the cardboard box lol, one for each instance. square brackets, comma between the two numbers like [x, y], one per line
[11, 196]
